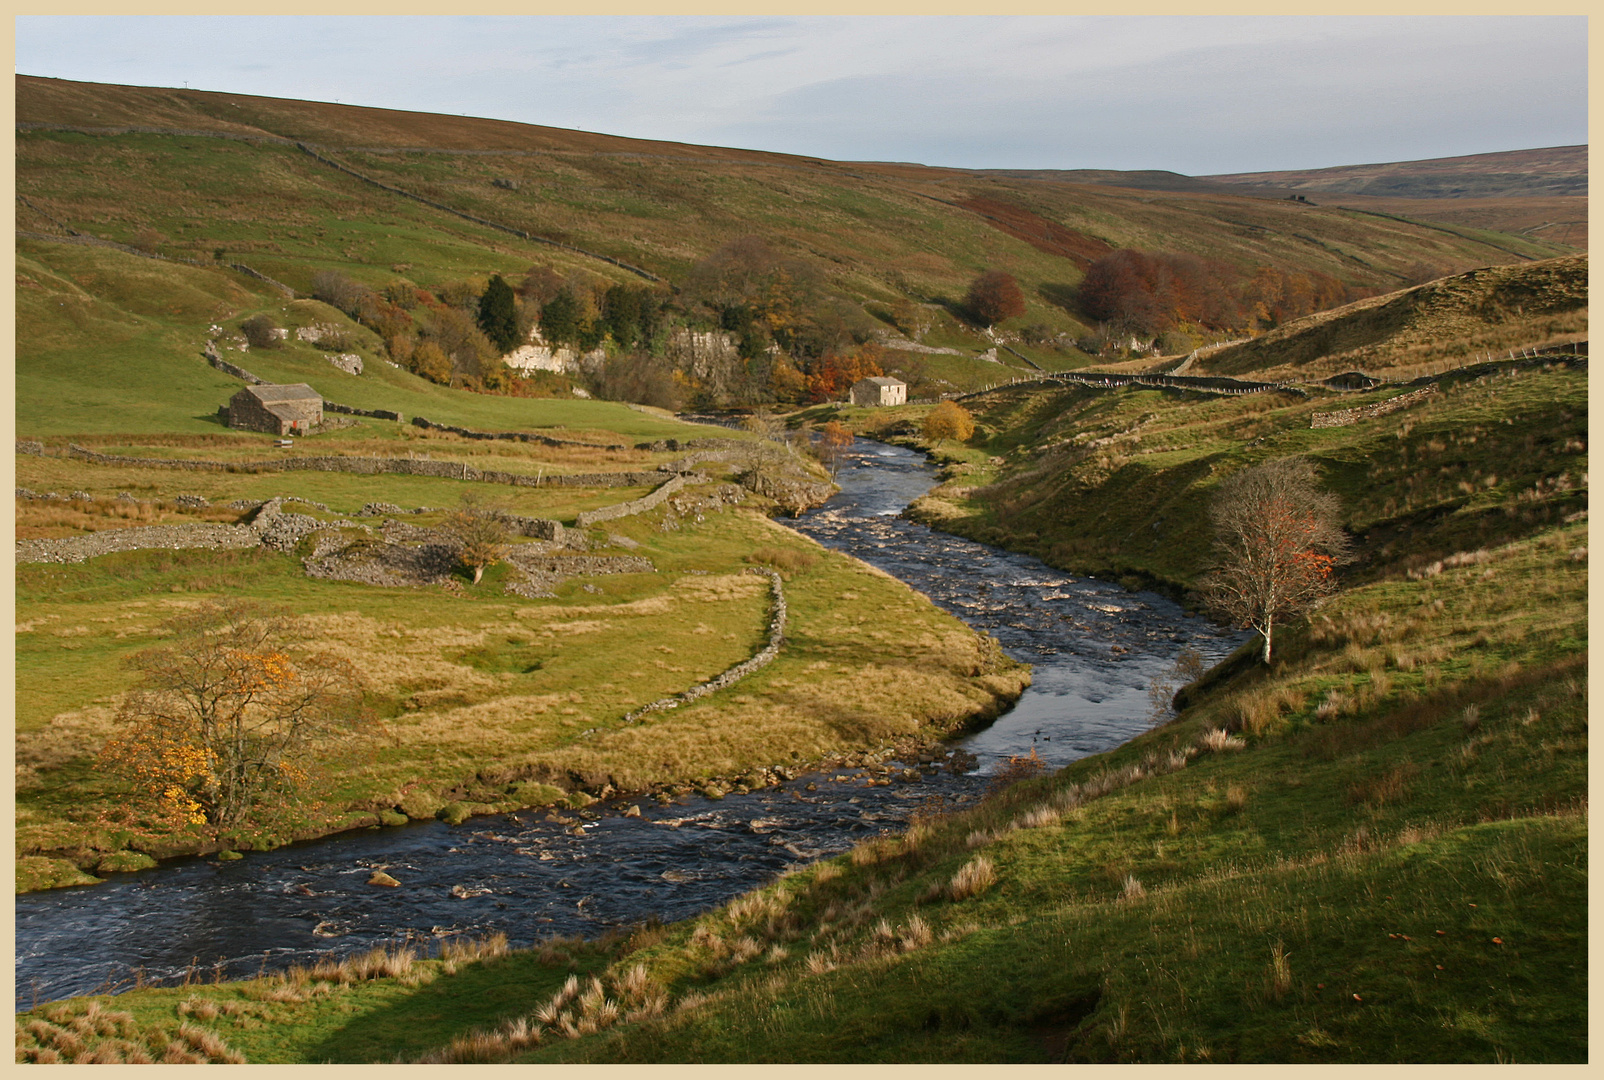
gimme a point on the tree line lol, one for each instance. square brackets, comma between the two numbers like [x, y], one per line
[792, 341]
[1149, 293]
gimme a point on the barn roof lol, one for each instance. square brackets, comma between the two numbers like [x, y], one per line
[270, 393]
[881, 380]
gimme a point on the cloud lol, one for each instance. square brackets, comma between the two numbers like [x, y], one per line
[1190, 94]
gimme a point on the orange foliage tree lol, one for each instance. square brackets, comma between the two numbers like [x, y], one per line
[833, 375]
[834, 439]
[1279, 540]
[224, 720]
[949, 420]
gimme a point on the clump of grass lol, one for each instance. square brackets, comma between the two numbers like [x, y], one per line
[1218, 740]
[102, 1036]
[1262, 708]
[570, 1013]
[974, 878]
[1280, 972]
[467, 950]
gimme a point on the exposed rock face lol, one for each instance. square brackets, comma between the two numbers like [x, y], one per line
[349, 363]
[708, 355]
[537, 355]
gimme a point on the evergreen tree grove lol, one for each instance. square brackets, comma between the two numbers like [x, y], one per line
[498, 315]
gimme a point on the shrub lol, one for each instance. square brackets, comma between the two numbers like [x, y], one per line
[262, 332]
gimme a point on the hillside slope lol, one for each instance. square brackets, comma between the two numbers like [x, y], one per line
[1452, 321]
[1554, 170]
[197, 176]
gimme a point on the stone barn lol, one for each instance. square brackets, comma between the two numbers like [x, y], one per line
[287, 409]
[879, 390]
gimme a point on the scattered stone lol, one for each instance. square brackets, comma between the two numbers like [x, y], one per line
[381, 878]
[229, 856]
[199, 502]
[633, 811]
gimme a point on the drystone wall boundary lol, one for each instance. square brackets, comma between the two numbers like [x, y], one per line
[349, 410]
[1206, 384]
[1344, 417]
[376, 466]
[74, 549]
[778, 613]
[514, 436]
[231, 369]
[587, 518]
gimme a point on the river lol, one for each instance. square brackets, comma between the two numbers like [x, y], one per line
[1094, 646]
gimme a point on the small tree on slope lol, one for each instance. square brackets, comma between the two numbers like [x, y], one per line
[1278, 540]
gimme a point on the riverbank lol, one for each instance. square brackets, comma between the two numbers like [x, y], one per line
[494, 703]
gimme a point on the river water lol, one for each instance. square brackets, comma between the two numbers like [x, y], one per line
[1094, 647]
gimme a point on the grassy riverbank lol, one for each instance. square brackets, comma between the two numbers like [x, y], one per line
[1385, 861]
[489, 701]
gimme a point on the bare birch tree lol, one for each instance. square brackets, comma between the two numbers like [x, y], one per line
[1279, 540]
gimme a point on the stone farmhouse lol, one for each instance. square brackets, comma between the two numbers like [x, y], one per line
[284, 409]
[879, 390]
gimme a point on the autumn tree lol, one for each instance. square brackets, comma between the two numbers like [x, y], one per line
[1278, 539]
[498, 314]
[479, 532]
[834, 440]
[226, 720]
[949, 420]
[995, 296]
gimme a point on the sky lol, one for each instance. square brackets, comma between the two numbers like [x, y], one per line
[1194, 95]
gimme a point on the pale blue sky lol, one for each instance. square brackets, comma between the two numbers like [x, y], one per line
[1195, 95]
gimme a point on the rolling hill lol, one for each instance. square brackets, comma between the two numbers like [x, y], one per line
[146, 214]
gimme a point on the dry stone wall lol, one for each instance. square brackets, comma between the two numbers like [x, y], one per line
[374, 466]
[73, 549]
[778, 614]
[587, 518]
[514, 436]
[1344, 417]
[377, 414]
